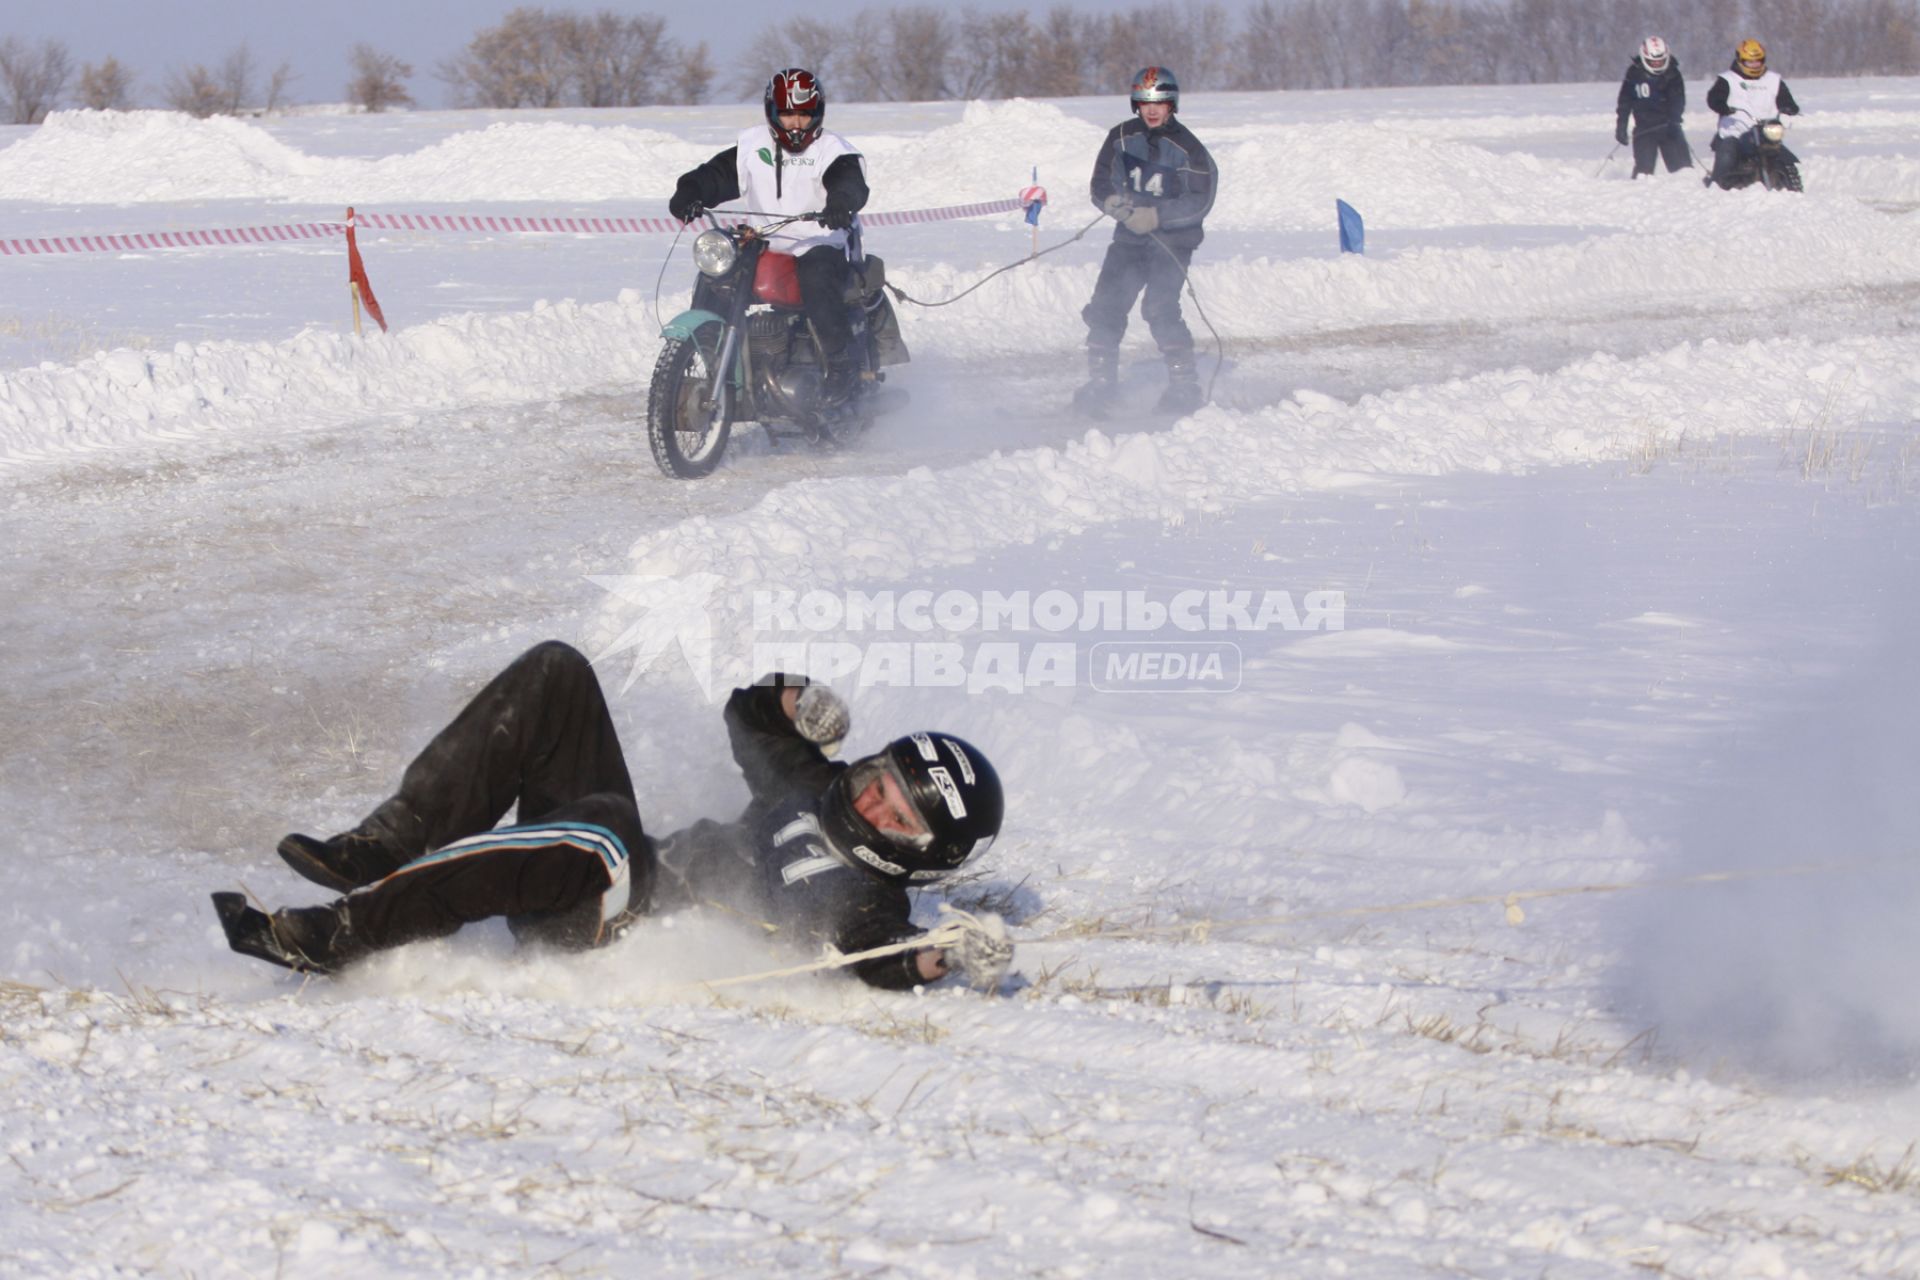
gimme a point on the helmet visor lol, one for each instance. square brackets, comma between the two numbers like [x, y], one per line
[882, 797]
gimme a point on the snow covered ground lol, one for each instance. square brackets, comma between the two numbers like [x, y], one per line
[1550, 917]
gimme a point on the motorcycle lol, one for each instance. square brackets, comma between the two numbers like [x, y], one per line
[744, 352]
[1763, 158]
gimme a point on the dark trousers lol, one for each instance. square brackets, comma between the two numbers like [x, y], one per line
[1134, 263]
[1664, 142]
[824, 272]
[537, 739]
[1730, 154]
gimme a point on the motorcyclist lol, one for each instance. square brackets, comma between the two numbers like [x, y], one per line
[1654, 96]
[794, 165]
[1742, 96]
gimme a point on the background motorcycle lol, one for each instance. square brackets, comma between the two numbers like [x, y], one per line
[1764, 159]
[745, 352]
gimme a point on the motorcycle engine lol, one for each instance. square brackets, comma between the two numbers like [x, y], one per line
[768, 333]
[797, 390]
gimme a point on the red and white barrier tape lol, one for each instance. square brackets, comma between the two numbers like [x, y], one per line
[171, 239]
[938, 215]
[431, 222]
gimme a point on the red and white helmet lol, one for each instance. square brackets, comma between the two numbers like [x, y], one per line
[795, 91]
[1653, 54]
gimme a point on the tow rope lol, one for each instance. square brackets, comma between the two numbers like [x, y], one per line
[1186, 280]
[964, 929]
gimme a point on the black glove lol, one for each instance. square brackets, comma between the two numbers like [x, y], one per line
[836, 217]
[1620, 135]
[685, 206]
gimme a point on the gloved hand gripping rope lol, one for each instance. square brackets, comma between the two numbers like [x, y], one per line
[977, 945]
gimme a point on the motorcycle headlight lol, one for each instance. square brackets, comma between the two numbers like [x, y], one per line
[1773, 131]
[714, 252]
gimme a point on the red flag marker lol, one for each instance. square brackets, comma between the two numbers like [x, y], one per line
[357, 283]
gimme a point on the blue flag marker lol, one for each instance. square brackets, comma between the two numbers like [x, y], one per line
[1353, 232]
[1035, 198]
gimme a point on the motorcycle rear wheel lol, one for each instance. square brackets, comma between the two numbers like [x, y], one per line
[686, 434]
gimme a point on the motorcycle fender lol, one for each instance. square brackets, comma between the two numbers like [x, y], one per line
[684, 324]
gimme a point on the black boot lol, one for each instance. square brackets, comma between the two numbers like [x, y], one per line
[1183, 394]
[1102, 386]
[350, 860]
[842, 375]
[304, 939]
[321, 938]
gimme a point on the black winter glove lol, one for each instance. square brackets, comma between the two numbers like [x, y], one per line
[685, 206]
[837, 217]
[1620, 135]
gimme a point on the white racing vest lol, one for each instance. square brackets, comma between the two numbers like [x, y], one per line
[1757, 98]
[798, 188]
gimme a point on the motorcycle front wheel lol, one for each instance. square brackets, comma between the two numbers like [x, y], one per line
[690, 405]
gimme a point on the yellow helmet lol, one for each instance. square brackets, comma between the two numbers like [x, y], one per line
[1751, 51]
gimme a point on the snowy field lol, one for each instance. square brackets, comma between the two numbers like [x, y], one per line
[1552, 917]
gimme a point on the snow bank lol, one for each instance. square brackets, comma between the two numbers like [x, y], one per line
[1400, 170]
[95, 157]
[859, 530]
[122, 397]
[125, 397]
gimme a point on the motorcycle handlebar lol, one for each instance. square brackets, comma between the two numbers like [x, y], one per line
[779, 219]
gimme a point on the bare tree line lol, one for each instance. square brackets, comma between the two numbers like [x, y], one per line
[542, 58]
[923, 52]
[34, 81]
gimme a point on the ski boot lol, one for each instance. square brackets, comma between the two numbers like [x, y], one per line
[1102, 386]
[1183, 394]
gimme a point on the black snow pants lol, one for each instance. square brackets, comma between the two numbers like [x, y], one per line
[1134, 263]
[538, 738]
[1664, 142]
[824, 274]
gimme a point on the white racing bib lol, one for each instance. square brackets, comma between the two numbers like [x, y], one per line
[779, 182]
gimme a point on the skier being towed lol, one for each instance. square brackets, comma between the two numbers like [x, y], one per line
[824, 852]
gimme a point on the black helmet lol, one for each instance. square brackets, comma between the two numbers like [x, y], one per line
[955, 795]
[795, 90]
[1155, 84]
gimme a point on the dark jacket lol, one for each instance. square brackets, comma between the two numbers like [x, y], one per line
[1654, 100]
[1165, 167]
[772, 866]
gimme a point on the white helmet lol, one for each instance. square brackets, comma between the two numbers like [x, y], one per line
[1653, 54]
